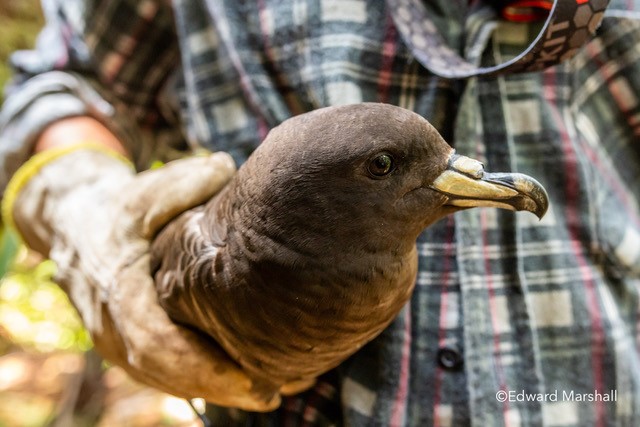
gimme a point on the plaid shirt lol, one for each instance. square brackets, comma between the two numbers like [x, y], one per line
[503, 303]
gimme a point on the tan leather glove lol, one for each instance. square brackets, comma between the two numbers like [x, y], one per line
[87, 210]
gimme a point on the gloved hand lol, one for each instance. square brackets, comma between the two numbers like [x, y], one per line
[88, 211]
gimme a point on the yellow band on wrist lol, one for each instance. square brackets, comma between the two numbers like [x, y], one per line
[32, 166]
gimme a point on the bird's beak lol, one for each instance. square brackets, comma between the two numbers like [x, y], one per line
[467, 185]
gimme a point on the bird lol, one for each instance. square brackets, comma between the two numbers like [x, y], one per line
[309, 252]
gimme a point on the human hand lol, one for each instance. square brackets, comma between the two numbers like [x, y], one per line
[89, 212]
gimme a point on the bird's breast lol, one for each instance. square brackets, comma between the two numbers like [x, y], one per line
[297, 322]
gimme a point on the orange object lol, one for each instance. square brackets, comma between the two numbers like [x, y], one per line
[526, 10]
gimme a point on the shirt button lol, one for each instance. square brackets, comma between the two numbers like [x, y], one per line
[449, 359]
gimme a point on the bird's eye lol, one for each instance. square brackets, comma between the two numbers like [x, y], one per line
[381, 165]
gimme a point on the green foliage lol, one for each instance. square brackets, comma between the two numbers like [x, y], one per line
[20, 22]
[36, 312]
[8, 249]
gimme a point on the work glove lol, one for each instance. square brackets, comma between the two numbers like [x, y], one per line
[85, 208]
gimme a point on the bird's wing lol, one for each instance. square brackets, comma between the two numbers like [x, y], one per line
[177, 255]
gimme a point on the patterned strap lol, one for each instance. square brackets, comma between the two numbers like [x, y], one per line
[569, 25]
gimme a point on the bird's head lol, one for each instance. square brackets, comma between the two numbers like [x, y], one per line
[374, 170]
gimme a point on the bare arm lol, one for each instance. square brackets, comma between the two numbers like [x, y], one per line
[74, 130]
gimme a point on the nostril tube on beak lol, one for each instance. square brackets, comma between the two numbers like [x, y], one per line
[468, 166]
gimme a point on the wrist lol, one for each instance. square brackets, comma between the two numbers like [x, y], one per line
[40, 187]
[74, 130]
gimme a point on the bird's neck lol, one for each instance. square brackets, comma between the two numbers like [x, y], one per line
[317, 302]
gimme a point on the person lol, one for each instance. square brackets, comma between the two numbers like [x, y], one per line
[513, 322]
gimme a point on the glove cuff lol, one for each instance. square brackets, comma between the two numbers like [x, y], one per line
[33, 166]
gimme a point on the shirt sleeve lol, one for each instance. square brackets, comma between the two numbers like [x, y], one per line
[105, 59]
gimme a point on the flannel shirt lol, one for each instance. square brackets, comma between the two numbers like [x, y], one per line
[503, 302]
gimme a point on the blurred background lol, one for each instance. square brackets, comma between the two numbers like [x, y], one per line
[49, 375]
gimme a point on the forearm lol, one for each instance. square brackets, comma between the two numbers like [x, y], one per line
[37, 188]
[77, 130]
[60, 79]
[56, 109]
